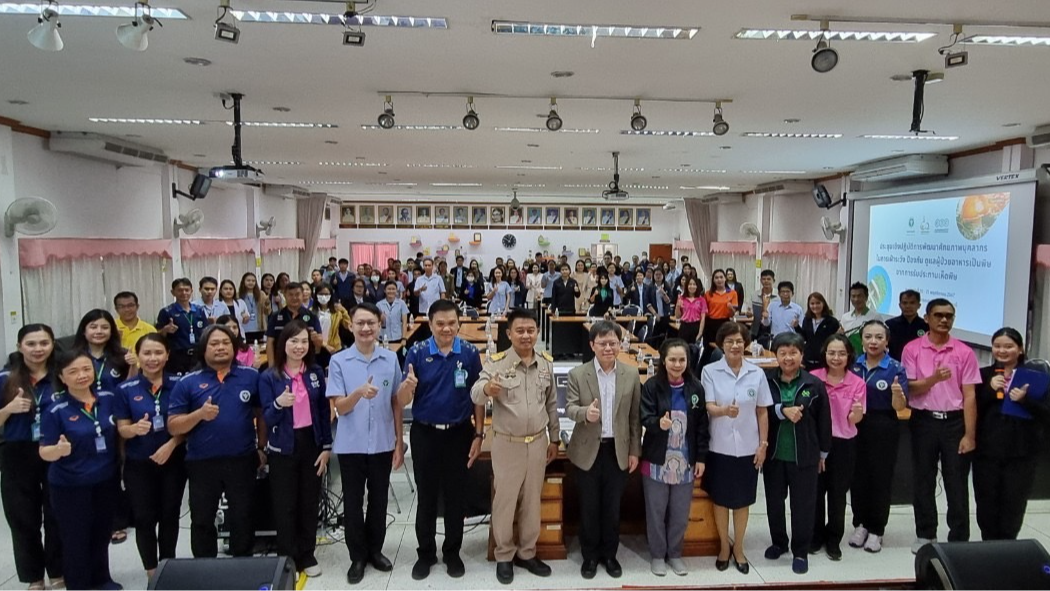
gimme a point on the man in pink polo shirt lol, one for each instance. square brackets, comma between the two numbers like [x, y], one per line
[942, 374]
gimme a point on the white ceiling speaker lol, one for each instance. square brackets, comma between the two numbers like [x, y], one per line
[31, 216]
[188, 223]
[832, 230]
[750, 230]
[265, 226]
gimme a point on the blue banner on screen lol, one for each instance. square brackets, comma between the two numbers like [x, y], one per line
[944, 248]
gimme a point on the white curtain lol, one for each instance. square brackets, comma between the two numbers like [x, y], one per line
[807, 273]
[225, 266]
[283, 261]
[149, 277]
[1040, 345]
[743, 264]
[321, 257]
[62, 291]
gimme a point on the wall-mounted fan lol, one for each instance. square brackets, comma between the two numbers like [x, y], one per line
[188, 223]
[31, 216]
[750, 230]
[832, 230]
[265, 226]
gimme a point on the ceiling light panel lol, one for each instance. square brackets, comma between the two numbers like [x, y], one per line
[608, 169]
[526, 167]
[415, 128]
[1007, 40]
[779, 135]
[811, 35]
[456, 185]
[705, 188]
[321, 182]
[544, 130]
[140, 121]
[591, 186]
[648, 187]
[593, 31]
[354, 163]
[693, 170]
[92, 10]
[315, 18]
[773, 171]
[667, 132]
[272, 163]
[942, 138]
[291, 124]
[439, 165]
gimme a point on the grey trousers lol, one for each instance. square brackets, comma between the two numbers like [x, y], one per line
[666, 516]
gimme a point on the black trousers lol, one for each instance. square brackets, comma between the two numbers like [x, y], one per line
[878, 437]
[296, 491]
[24, 493]
[209, 479]
[365, 532]
[439, 461]
[180, 361]
[601, 490]
[1001, 487]
[155, 494]
[779, 478]
[936, 440]
[832, 487]
[85, 518]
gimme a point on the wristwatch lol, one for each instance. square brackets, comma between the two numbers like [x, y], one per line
[480, 436]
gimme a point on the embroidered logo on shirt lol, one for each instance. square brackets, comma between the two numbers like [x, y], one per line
[74, 418]
[751, 392]
[920, 332]
[203, 386]
[695, 400]
[245, 396]
[881, 384]
[200, 324]
[113, 372]
[137, 399]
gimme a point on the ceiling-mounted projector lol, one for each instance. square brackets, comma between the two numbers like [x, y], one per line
[614, 193]
[233, 173]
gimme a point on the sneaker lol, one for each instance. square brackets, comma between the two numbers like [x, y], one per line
[677, 566]
[800, 565]
[834, 552]
[919, 543]
[658, 566]
[859, 535]
[873, 544]
[773, 552]
[313, 571]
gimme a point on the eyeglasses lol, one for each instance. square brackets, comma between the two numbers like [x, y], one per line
[733, 343]
[606, 344]
[366, 324]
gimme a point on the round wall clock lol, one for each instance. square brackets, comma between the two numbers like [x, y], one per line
[509, 241]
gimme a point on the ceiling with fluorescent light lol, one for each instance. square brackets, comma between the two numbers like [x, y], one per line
[306, 69]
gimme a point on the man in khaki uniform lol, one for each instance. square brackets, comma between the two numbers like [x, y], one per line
[520, 383]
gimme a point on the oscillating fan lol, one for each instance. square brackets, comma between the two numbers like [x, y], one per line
[265, 227]
[189, 223]
[750, 230]
[31, 216]
[832, 230]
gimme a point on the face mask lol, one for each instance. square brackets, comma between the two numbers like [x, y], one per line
[324, 299]
[375, 278]
[470, 280]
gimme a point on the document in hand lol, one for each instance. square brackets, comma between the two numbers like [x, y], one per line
[1037, 382]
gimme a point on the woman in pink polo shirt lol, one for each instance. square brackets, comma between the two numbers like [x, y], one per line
[847, 397]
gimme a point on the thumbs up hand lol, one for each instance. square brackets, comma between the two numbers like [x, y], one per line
[896, 387]
[733, 411]
[494, 387]
[143, 426]
[665, 421]
[411, 381]
[64, 447]
[594, 412]
[367, 390]
[286, 399]
[1018, 394]
[792, 413]
[170, 327]
[209, 411]
[18, 405]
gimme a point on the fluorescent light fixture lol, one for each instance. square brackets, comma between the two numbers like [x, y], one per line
[314, 18]
[693, 170]
[354, 163]
[773, 171]
[526, 167]
[439, 165]
[92, 10]
[415, 128]
[544, 130]
[942, 138]
[145, 121]
[272, 163]
[705, 188]
[456, 184]
[1006, 40]
[811, 35]
[648, 187]
[591, 186]
[521, 186]
[592, 31]
[668, 133]
[321, 182]
[608, 169]
[398, 184]
[793, 135]
[292, 124]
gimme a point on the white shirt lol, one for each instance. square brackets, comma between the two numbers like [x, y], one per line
[607, 396]
[435, 287]
[852, 321]
[736, 437]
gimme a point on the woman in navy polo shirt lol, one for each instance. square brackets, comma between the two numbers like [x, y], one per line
[26, 392]
[78, 435]
[299, 442]
[154, 464]
[877, 436]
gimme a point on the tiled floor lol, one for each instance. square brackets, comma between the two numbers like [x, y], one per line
[894, 562]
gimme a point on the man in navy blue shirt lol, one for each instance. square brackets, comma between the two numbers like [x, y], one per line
[294, 309]
[908, 326]
[439, 373]
[183, 324]
[217, 409]
[343, 283]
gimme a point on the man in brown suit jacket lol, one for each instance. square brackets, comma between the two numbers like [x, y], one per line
[603, 398]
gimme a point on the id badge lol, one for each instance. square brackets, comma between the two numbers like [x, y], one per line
[461, 378]
[36, 430]
[193, 336]
[100, 443]
[158, 423]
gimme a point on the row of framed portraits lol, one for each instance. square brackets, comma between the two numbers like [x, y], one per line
[547, 217]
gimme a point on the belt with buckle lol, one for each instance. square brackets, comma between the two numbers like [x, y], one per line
[514, 439]
[943, 415]
[443, 427]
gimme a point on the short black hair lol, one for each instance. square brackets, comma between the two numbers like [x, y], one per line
[182, 282]
[206, 280]
[938, 302]
[768, 273]
[602, 328]
[729, 329]
[341, 261]
[520, 314]
[125, 295]
[206, 336]
[442, 306]
[861, 286]
[786, 284]
[910, 293]
[367, 307]
[331, 259]
[851, 354]
[788, 339]
[293, 285]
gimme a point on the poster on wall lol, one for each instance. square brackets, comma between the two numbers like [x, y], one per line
[423, 216]
[625, 219]
[348, 216]
[643, 218]
[460, 217]
[552, 219]
[535, 217]
[441, 216]
[608, 218]
[498, 217]
[366, 216]
[479, 216]
[572, 219]
[589, 218]
[516, 217]
[386, 216]
[404, 216]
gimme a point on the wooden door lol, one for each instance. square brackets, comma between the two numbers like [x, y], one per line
[659, 250]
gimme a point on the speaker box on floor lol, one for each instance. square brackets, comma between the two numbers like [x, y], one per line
[1002, 564]
[263, 572]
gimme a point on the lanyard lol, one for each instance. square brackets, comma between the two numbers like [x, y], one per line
[93, 415]
[155, 392]
[98, 376]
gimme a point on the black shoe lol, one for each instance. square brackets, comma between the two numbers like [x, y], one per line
[815, 547]
[834, 553]
[356, 572]
[455, 566]
[533, 565]
[773, 552]
[589, 569]
[380, 562]
[743, 567]
[505, 572]
[421, 569]
[721, 565]
[613, 568]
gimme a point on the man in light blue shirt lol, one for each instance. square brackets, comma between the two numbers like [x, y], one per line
[785, 315]
[429, 287]
[548, 280]
[394, 313]
[616, 284]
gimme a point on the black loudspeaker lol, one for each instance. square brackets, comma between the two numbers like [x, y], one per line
[1002, 564]
[263, 572]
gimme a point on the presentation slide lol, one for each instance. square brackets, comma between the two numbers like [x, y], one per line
[968, 246]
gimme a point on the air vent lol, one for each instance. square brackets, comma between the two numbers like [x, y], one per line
[105, 149]
[785, 188]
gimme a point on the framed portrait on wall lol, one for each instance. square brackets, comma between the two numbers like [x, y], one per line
[441, 216]
[516, 217]
[607, 218]
[479, 216]
[423, 216]
[366, 216]
[404, 216]
[497, 216]
[552, 217]
[386, 216]
[348, 216]
[534, 217]
[572, 218]
[460, 217]
[643, 218]
[625, 219]
[589, 217]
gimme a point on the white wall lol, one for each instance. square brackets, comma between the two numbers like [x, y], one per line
[283, 210]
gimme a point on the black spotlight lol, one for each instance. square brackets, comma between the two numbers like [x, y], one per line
[470, 120]
[553, 120]
[386, 119]
[720, 126]
[638, 121]
[824, 57]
